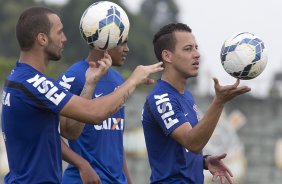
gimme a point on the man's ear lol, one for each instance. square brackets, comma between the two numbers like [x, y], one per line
[166, 55]
[42, 39]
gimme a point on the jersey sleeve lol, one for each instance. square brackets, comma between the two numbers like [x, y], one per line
[44, 93]
[167, 111]
[72, 81]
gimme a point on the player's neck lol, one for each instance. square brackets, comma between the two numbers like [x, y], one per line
[35, 60]
[177, 82]
[95, 55]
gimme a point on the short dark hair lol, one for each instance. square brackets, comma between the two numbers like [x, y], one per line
[165, 39]
[32, 22]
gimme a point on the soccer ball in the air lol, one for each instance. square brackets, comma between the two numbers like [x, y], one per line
[243, 56]
[104, 25]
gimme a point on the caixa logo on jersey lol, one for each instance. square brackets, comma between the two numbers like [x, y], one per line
[165, 109]
[111, 124]
[47, 87]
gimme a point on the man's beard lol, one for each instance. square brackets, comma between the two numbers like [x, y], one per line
[52, 55]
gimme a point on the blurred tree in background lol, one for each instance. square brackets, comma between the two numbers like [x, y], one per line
[9, 14]
[143, 25]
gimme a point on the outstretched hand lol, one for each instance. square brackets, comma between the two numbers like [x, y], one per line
[141, 74]
[97, 69]
[228, 92]
[218, 169]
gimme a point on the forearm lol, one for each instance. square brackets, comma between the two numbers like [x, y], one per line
[111, 103]
[70, 128]
[71, 157]
[96, 110]
[201, 133]
[126, 172]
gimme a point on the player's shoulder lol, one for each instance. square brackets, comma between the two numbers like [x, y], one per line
[80, 66]
[75, 71]
[112, 76]
[23, 73]
[115, 73]
[161, 88]
[161, 95]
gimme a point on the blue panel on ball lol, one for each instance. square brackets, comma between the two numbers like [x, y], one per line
[113, 16]
[111, 11]
[245, 41]
[102, 23]
[243, 74]
[92, 38]
[110, 19]
[253, 42]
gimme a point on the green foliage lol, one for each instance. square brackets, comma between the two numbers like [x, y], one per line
[143, 26]
[55, 68]
[6, 66]
[10, 11]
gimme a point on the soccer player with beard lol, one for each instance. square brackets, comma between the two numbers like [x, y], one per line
[32, 101]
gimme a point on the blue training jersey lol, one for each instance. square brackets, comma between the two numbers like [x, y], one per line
[101, 145]
[31, 104]
[166, 109]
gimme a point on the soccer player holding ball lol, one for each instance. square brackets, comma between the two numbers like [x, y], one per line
[174, 133]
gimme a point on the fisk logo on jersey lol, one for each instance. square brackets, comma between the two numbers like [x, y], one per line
[165, 109]
[46, 87]
[65, 81]
[111, 124]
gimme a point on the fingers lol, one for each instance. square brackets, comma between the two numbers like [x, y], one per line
[141, 73]
[228, 92]
[214, 177]
[92, 64]
[229, 178]
[222, 178]
[222, 156]
[107, 55]
[216, 83]
[102, 64]
[240, 90]
[156, 67]
[237, 83]
[107, 58]
[229, 173]
[149, 81]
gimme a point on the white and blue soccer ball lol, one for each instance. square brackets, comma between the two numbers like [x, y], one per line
[243, 56]
[104, 25]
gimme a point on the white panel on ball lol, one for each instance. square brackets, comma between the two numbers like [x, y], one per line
[243, 56]
[104, 25]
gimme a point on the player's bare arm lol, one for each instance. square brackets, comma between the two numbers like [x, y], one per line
[95, 111]
[87, 173]
[195, 139]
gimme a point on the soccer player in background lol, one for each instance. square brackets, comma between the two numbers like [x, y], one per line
[174, 133]
[32, 101]
[100, 145]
